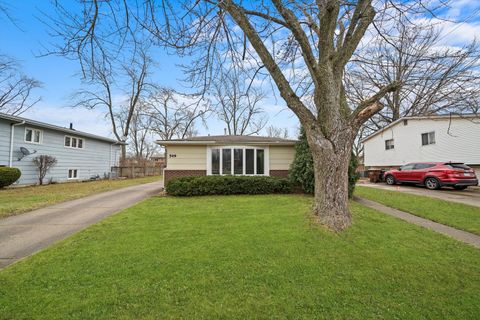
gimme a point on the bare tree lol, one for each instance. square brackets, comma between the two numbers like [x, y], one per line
[237, 102]
[432, 78]
[304, 47]
[141, 144]
[101, 88]
[43, 164]
[15, 88]
[277, 132]
[174, 114]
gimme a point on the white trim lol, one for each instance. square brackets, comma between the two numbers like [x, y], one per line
[40, 139]
[73, 171]
[73, 137]
[266, 160]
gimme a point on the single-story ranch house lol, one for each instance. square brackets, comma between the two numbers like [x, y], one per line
[422, 139]
[227, 155]
[79, 155]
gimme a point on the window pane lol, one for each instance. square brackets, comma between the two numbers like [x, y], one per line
[74, 142]
[28, 135]
[249, 161]
[226, 161]
[37, 136]
[238, 161]
[80, 143]
[69, 174]
[424, 139]
[75, 173]
[67, 141]
[431, 137]
[215, 161]
[260, 161]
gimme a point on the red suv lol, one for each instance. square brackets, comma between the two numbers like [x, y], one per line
[434, 175]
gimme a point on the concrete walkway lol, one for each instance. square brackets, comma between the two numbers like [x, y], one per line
[460, 235]
[25, 234]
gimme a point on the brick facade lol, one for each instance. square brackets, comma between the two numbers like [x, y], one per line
[169, 174]
[279, 173]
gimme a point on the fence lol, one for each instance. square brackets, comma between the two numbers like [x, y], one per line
[136, 171]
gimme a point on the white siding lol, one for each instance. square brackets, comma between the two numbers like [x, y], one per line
[458, 140]
[96, 157]
[187, 157]
[281, 157]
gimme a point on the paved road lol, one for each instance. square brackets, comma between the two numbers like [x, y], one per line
[470, 196]
[25, 234]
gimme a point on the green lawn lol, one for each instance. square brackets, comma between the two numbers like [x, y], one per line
[244, 257]
[18, 200]
[454, 214]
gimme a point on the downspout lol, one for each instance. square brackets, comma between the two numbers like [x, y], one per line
[12, 131]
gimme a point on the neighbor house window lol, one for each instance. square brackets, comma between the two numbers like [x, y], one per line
[33, 135]
[428, 138]
[72, 174]
[73, 142]
[237, 161]
[389, 144]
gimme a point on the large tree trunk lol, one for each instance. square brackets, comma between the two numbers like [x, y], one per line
[331, 182]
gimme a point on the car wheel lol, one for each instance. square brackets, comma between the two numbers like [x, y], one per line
[432, 184]
[460, 187]
[390, 180]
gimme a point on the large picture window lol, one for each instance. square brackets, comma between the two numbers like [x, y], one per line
[237, 161]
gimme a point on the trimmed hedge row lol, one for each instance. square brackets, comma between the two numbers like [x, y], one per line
[224, 185]
[8, 176]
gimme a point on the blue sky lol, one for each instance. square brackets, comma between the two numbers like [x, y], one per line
[25, 42]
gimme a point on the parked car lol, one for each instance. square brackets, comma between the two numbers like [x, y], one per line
[434, 175]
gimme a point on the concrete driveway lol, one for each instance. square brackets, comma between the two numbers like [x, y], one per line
[25, 234]
[470, 196]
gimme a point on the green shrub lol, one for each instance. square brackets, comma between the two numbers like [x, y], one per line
[302, 172]
[8, 176]
[224, 185]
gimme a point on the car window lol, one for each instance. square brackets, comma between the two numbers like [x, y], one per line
[408, 166]
[420, 166]
[457, 166]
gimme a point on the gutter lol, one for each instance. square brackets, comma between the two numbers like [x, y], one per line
[12, 131]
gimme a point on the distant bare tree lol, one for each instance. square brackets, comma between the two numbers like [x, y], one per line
[15, 88]
[237, 103]
[174, 114]
[277, 132]
[141, 145]
[100, 92]
[43, 164]
[432, 78]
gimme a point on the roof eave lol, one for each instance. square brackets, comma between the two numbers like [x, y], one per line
[258, 143]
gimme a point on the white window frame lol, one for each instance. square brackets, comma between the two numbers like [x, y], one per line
[392, 147]
[266, 160]
[74, 177]
[33, 135]
[428, 138]
[73, 137]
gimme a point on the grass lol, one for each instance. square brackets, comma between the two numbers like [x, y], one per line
[22, 199]
[454, 214]
[244, 257]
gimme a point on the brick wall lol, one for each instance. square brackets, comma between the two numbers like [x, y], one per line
[169, 174]
[279, 173]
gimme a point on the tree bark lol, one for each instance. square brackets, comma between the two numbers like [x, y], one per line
[331, 179]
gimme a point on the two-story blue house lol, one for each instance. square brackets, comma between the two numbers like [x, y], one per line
[79, 155]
